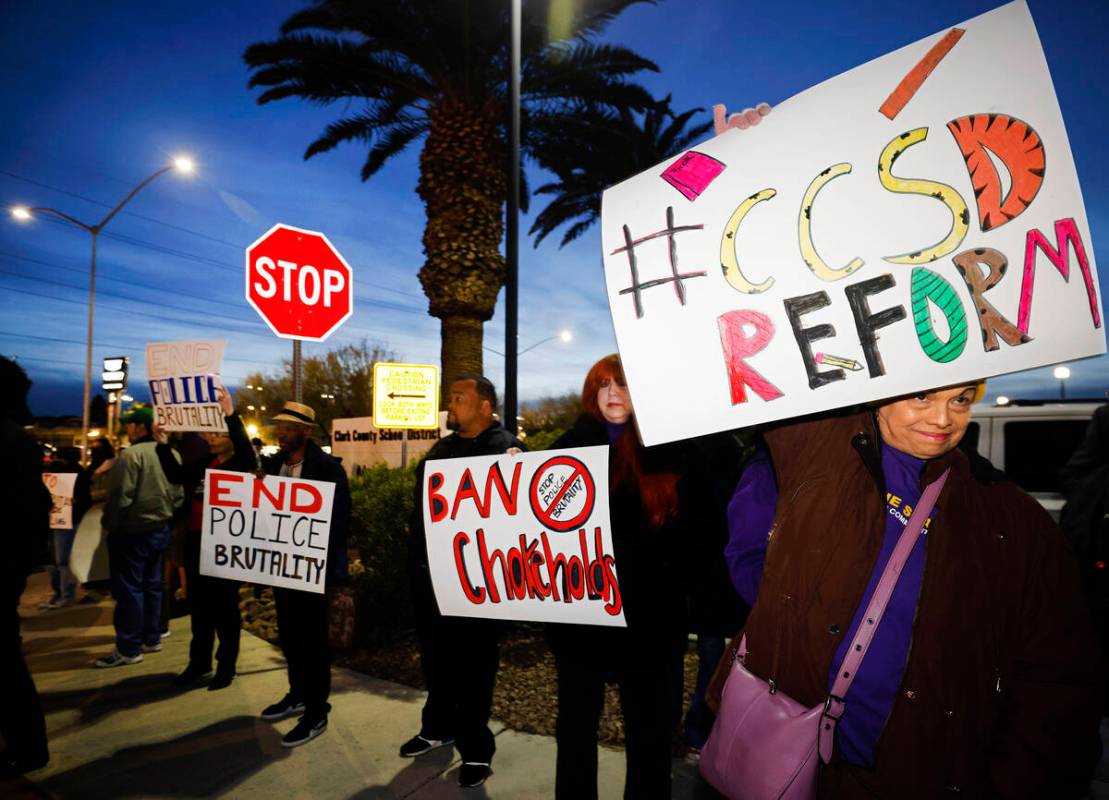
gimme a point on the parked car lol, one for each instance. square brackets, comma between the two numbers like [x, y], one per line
[1030, 442]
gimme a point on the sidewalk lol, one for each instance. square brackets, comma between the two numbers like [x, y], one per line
[127, 732]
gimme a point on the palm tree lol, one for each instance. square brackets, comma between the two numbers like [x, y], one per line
[436, 71]
[598, 151]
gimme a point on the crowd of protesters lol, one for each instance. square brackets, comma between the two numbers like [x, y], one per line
[982, 678]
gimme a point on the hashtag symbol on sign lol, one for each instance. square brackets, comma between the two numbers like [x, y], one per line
[676, 277]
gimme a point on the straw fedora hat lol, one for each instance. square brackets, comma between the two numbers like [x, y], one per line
[296, 412]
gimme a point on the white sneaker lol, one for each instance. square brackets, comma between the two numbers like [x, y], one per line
[152, 648]
[117, 659]
[166, 633]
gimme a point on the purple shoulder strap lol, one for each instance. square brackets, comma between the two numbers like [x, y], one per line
[834, 707]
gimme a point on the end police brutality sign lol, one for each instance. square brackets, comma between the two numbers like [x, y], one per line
[270, 530]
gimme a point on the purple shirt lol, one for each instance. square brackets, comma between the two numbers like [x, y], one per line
[874, 690]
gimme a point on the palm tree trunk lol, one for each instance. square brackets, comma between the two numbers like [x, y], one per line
[461, 350]
[462, 184]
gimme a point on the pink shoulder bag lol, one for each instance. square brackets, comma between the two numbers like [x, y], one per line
[764, 745]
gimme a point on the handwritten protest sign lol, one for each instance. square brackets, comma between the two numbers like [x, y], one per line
[272, 531]
[183, 377]
[523, 537]
[61, 486]
[910, 224]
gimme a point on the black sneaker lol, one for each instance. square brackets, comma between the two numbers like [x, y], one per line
[13, 764]
[473, 774]
[418, 745]
[192, 676]
[283, 709]
[305, 731]
[221, 681]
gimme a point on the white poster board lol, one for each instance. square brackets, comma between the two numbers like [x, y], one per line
[61, 486]
[913, 223]
[183, 377]
[272, 531]
[89, 558]
[523, 537]
[360, 444]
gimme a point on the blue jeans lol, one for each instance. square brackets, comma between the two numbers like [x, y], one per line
[135, 560]
[61, 579]
[699, 718]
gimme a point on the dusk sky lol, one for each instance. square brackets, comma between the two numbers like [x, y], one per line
[99, 95]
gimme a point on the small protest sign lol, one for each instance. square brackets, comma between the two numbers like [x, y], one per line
[913, 223]
[183, 377]
[271, 530]
[61, 486]
[523, 537]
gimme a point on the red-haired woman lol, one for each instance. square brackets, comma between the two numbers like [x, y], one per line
[656, 503]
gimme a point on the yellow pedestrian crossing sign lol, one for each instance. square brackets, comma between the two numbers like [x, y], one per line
[406, 395]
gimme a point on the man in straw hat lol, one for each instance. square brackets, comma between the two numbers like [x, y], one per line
[302, 616]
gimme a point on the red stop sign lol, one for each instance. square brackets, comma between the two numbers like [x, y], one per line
[299, 283]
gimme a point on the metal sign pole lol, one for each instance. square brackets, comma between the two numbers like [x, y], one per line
[404, 448]
[298, 390]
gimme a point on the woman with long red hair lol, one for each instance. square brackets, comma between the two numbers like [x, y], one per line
[657, 505]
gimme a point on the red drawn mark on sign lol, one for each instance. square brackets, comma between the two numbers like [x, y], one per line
[917, 75]
[578, 481]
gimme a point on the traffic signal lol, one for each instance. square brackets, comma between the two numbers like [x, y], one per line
[115, 374]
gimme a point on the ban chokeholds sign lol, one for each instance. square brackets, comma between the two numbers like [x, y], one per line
[299, 283]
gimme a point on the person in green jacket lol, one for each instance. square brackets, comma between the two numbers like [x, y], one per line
[140, 504]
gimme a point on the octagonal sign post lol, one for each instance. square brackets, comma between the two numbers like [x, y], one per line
[299, 283]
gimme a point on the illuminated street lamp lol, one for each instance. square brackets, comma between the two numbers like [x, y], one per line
[1061, 374]
[180, 164]
[1002, 400]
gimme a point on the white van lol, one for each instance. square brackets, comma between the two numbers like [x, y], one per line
[1030, 443]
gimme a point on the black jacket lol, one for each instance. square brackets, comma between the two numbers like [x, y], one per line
[1085, 484]
[493, 441]
[25, 500]
[191, 474]
[319, 466]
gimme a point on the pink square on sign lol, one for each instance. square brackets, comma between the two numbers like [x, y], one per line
[692, 173]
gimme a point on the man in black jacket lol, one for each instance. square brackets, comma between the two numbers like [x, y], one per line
[213, 602]
[26, 504]
[302, 616]
[458, 655]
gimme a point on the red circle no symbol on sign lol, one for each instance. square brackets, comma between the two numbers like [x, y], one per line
[562, 493]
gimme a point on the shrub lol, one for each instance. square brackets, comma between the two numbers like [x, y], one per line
[542, 440]
[381, 505]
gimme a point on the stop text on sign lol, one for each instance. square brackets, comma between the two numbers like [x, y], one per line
[312, 284]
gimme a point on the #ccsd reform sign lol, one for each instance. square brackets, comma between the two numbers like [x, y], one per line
[406, 395]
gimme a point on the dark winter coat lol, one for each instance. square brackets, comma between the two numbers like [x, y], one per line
[1001, 693]
[493, 441]
[26, 503]
[319, 466]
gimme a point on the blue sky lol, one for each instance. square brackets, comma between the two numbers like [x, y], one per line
[100, 95]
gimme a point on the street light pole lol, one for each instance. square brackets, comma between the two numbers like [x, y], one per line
[512, 221]
[21, 213]
[1061, 374]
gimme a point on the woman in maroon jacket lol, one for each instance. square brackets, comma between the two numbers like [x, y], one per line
[982, 678]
